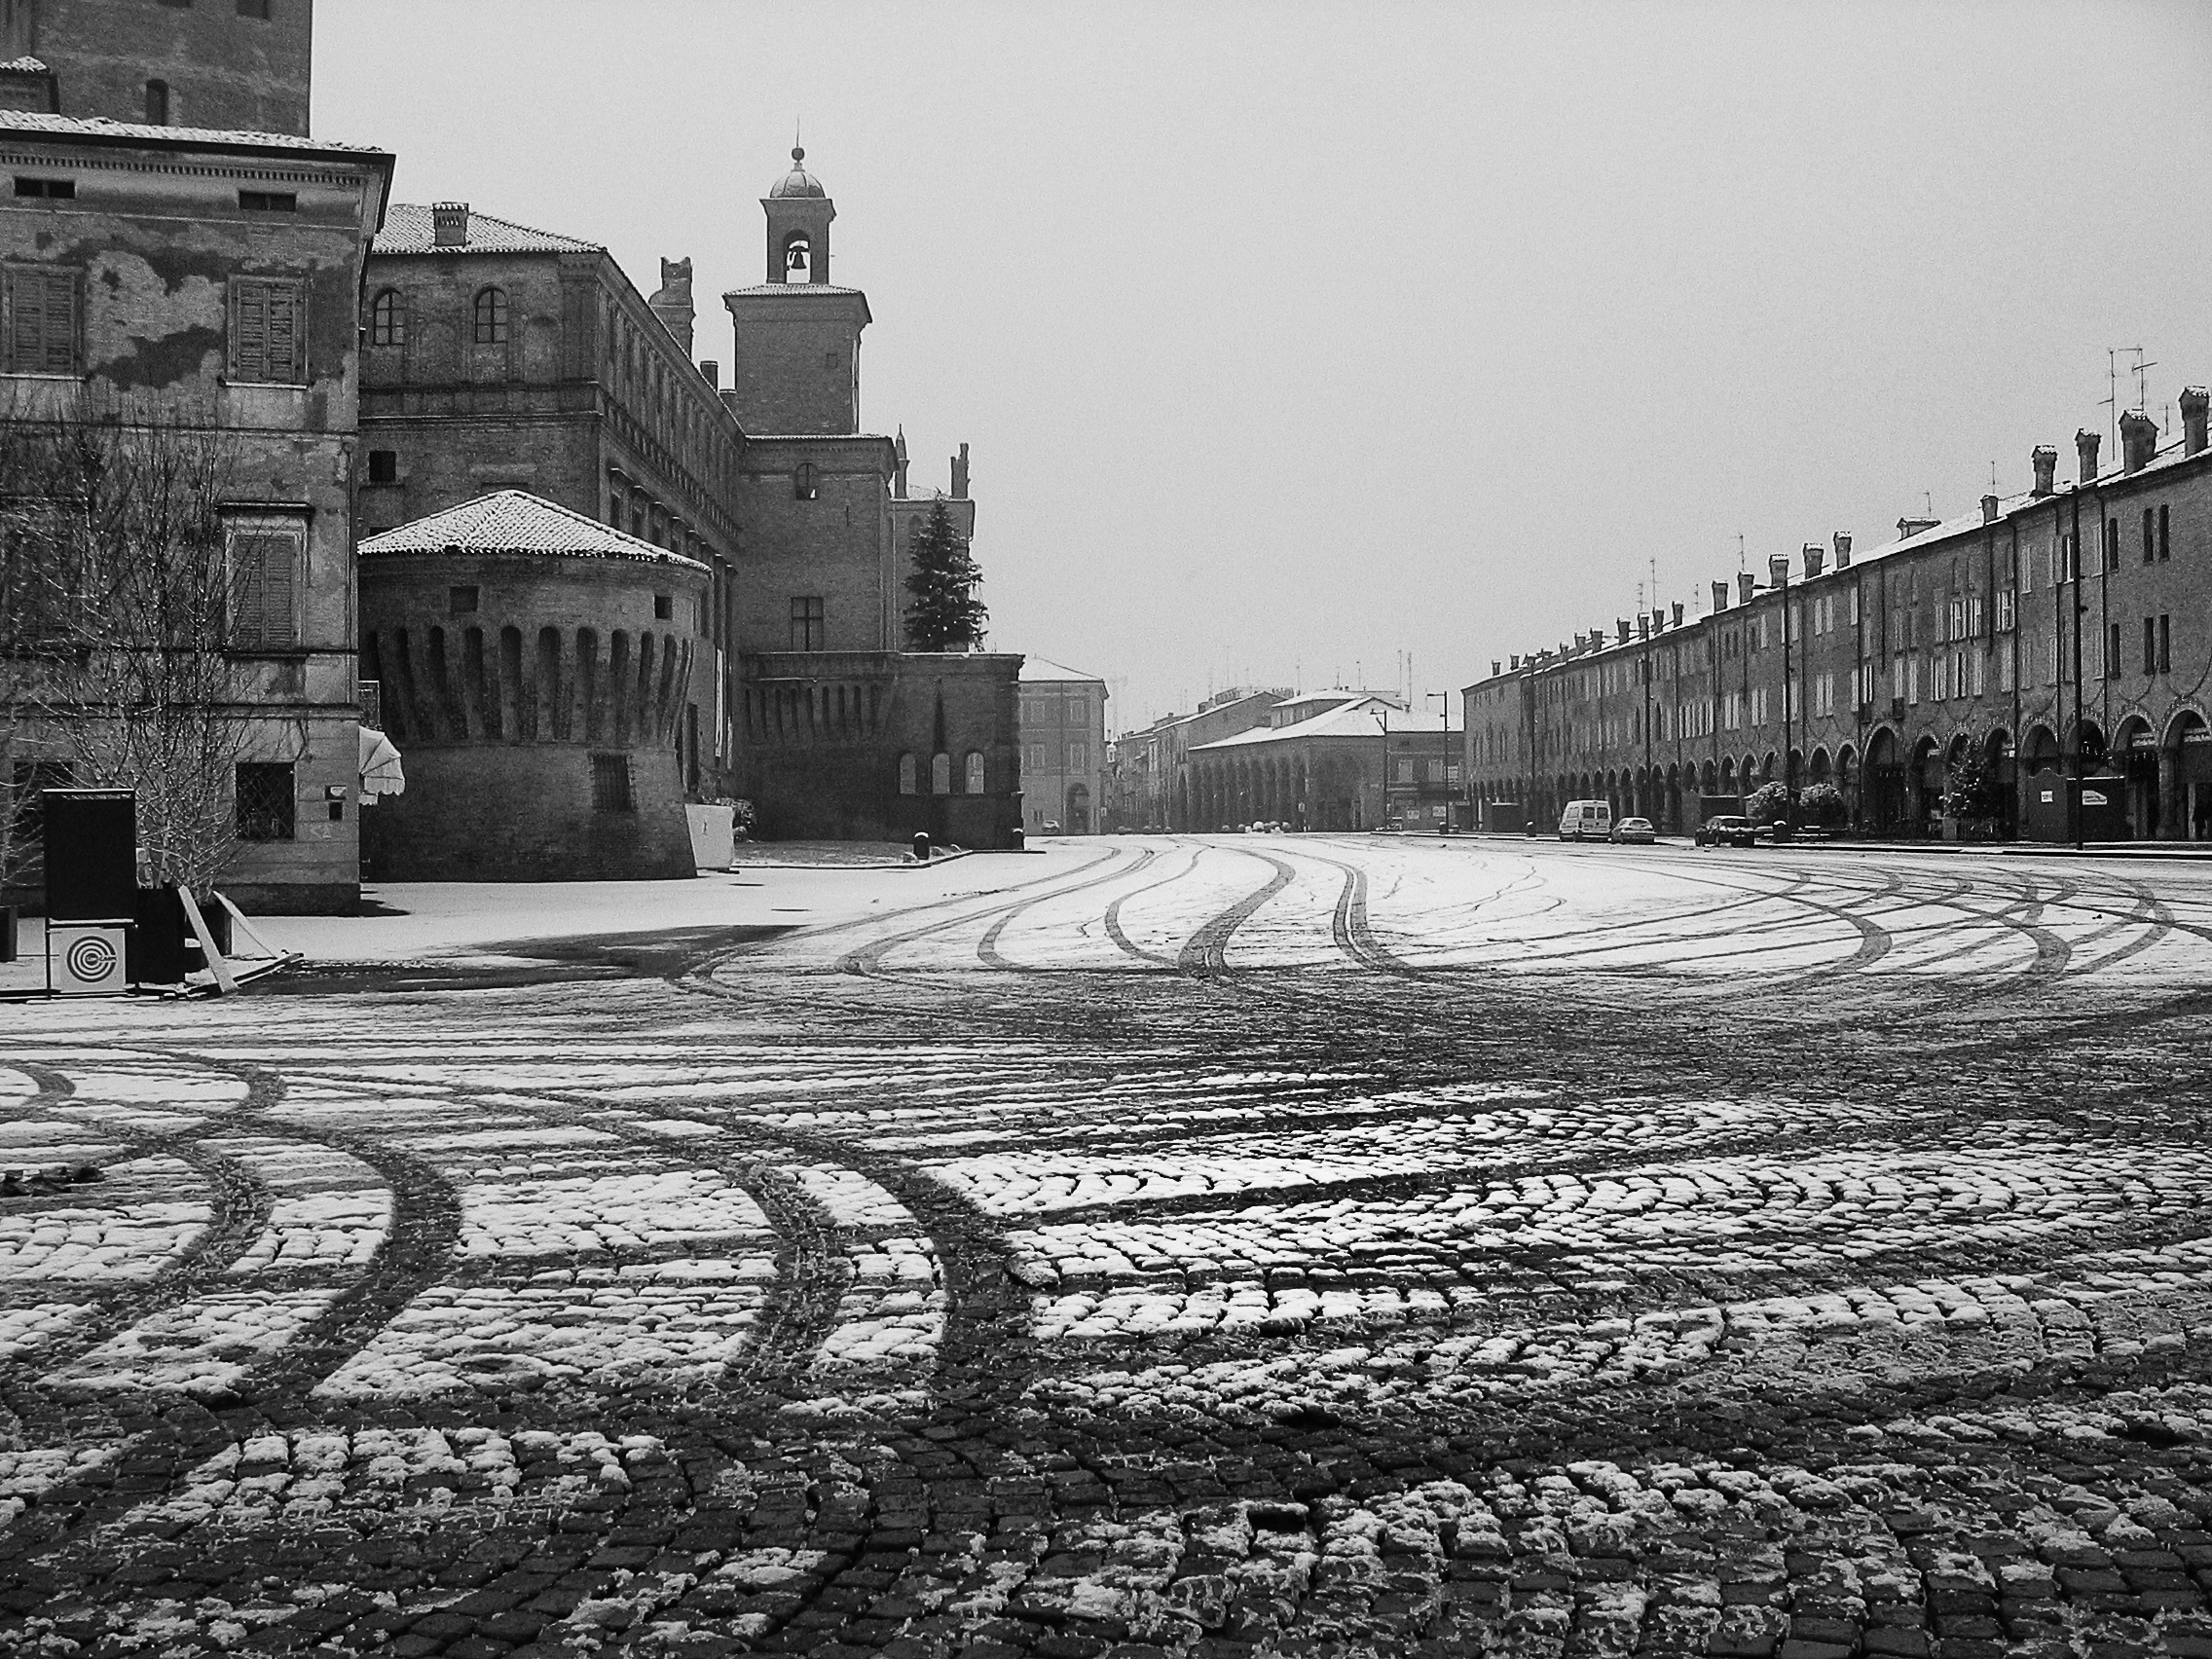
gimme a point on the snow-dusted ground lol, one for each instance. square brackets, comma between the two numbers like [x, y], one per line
[1838, 1216]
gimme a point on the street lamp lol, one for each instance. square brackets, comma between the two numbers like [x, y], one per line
[1778, 568]
[1445, 698]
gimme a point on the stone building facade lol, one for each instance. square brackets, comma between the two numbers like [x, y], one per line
[2053, 634]
[229, 65]
[535, 668]
[497, 356]
[1063, 747]
[1156, 783]
[242, 324]
[1328, 760]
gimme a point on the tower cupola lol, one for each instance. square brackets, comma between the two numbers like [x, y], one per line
[800, 211]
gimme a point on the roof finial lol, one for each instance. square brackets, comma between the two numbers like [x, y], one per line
[798, 155]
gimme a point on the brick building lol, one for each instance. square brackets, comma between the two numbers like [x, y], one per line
[536, 667]
[231, 65]
[211, 280]
[496, 356]
[1328, 760]
[1063, 747]
[1156, 765]
[2049, 634]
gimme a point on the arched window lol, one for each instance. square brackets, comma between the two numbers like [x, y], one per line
[907, 774]
[941, 774]
[803, 485]
[796, 248]
[974, 771]
[492, 316]
[388, 319]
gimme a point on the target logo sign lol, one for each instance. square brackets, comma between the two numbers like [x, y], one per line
[84, 960]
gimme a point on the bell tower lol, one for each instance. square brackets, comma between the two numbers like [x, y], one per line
[795, 368]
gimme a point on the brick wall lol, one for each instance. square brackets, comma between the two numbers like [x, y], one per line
[223, 70]
[794, 360]
[835, 547]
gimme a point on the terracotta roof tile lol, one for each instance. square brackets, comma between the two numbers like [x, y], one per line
[100, 127]
[514, 520]
[408, 229]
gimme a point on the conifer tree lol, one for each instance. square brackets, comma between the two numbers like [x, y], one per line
[943, 615]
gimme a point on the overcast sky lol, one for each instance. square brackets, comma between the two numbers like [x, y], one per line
[1291, 338]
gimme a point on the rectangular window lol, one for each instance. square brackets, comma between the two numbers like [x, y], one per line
[460, 601]
[1405, 772]
[1037, 757]
[47, 189]
[2112, 544]
[664, 608]
[2007, 612]
[1981, 672]
[610, 783]
[268, 331]
[383, 467]
[254, 9]
[2005, 675]
[2150, 541]
[43, 323]
[2165, 643]
[265, 590]
[268, 201]
[808, 629]
[2150, 644]
[264, 791]
[2166, 535]
[2111, 651]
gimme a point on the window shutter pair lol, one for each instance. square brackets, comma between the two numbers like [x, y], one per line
[44, 322]
[263, 612]
[267, 336]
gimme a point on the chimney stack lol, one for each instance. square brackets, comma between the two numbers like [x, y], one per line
[2085, 444]
[711, 372]
[1643, 626]
[1516, 661]
[1720, 596]
[1843, 549]
[2195, 401]
[899, 465]
[2138, 440]
[2045, 461]
[449, 224]
[1495, 666]
[1621, 624]
[1989, 509]
[1678, 614]
[1777, 568]
[1659, 621]
[1746, 585]
[1815, 556]
[672, 301]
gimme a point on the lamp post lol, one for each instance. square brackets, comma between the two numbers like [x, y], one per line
[1778, 568]
[1445, 699]
[1383, 717]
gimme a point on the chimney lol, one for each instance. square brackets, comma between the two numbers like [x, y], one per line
[2138, 440]
[1843, 549]
[960, 474]
[1720, 596]
[2195, 401]
[1495, 666]
[1658, 621]
[1815, 556]
[2085, 444]
[1642, 627]
[672, 301]
[1777, 568]
[2045, 460]
[1678, 614]
[711, 372]
[899, 456]
[1747, 584]
[1516, 661]
[1621, 623]
[1989, 509]
[449, 224]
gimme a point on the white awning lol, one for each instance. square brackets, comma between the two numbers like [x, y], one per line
[381, 773]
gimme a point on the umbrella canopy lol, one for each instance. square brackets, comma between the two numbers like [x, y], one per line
[381, 773]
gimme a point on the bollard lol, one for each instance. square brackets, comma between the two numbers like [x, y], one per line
[1020, 840]
[921, 846]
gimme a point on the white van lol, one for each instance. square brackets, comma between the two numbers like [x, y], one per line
[1586, 820]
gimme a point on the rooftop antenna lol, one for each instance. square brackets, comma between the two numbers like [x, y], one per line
[1741, 565]
[2112, 386]
[1928, 502]
[2142, 380]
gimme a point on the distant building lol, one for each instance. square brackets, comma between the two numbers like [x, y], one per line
[2049, 634]
[535, 670]
[224, 65]
[1063, 747]
[1155, 766]
[1329, 761]
[211, 280]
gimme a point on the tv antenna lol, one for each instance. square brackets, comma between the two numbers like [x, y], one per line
[2112, 382]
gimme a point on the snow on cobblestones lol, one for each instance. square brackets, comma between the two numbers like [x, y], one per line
[604, 1212]
[127, 1227]
[202, 1346]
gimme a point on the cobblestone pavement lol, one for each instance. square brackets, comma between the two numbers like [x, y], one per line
[1210, 1247]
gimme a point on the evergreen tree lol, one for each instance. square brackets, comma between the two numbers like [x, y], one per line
[944, 614]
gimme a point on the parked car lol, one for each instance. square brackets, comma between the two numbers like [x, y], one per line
[1635, 830]
[1728, 830]
[1050, 826]
[1586, 820]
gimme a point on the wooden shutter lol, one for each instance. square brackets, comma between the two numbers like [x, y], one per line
[249, 329]
[42, 323]
[264, 576]
[268, 333]
[286, 354]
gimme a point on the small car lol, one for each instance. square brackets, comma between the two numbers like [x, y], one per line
[1050, 826]
[1728, 830]
[1635, 830]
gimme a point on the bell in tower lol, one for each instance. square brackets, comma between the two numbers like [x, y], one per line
[800, 211]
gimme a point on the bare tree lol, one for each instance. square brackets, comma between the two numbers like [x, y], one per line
[117, 605]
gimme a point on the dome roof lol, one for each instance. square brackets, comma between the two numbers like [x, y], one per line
[798, 181]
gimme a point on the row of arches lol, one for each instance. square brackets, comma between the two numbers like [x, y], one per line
[1901, 788]
[1307, 791]
[940, 777]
